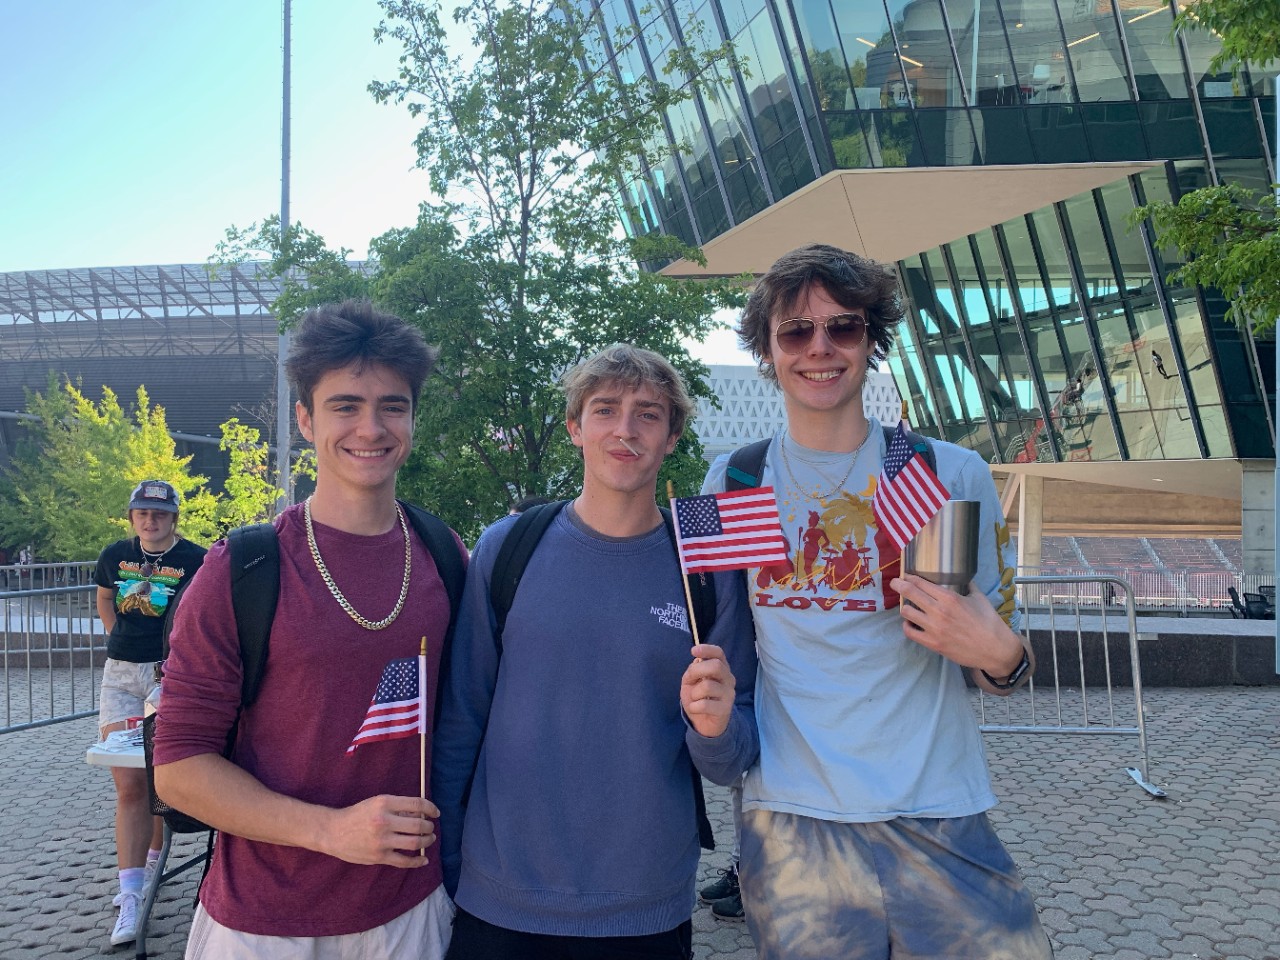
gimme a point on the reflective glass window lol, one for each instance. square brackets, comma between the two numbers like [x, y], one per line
[961, 380]
[1093, 45]
[925, 53]
[773, 110]
[1057, 266]
[946, 138]
[983, 50]
[1039, 58]
[788, 165]
[908, 371]
[1114, 131]
[1057, 134]
[874, 68]
[1021, 377]
[738, 13]
[746, 195]
[1002, 135]
[1196, 353]
[997, 397]
[708, 209]
[1091, 249]
[1157, 63]
[847, 142]
[1252, 174]
[1202, 46]
[825, 55]
[892, 139]
[1171, 129]
[1233, 130]
[1217, 438]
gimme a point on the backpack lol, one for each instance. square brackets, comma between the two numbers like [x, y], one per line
[255, 588]
[508, 568]
[746, 464]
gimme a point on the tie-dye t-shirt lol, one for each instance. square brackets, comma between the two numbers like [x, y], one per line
[858, 723]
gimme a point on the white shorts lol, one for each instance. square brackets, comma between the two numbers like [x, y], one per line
[125, 686]
[419, 934]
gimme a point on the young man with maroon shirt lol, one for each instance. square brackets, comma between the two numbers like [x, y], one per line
[321, 853]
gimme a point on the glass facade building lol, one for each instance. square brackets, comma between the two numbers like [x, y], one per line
[1052, 335]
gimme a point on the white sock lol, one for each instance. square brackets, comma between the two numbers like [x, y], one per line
[131, 880]
[152, 857]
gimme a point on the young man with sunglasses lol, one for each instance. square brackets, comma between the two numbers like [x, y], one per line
[864, 830]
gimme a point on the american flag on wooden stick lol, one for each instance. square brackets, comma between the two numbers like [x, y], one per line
[908, 494]
[398, 708]
[729, 531]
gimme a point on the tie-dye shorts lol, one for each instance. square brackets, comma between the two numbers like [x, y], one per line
[910, 889]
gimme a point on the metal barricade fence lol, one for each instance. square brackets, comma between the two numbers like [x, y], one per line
[1088, 653]
[52, 644]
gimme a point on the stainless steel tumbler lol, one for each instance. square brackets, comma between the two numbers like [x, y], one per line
[945, 552]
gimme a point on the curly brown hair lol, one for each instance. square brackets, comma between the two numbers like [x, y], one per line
[852, 281]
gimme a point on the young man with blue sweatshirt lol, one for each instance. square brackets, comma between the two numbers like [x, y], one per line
[562, 768]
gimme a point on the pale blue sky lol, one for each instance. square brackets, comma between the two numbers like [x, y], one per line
[137, 130]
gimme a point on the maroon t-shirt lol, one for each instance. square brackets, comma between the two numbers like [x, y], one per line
[321, 673]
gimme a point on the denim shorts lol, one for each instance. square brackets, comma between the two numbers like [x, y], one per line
[910, 888]
[125, 686]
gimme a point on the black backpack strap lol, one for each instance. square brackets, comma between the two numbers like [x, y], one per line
[746, 466]
[255, 588]
[920, 444]
[443, 547]
[513, 557]
[702, 593]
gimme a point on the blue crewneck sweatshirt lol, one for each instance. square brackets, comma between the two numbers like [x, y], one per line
[581, 818]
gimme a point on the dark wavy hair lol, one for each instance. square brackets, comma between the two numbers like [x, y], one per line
[852, 281]
[337, 335]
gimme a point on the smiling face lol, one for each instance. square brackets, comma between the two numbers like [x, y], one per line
[821, 384]
[154, 528]
[362, 426]
[624, 434]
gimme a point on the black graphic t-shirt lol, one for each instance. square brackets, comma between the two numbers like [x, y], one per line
[142, 591]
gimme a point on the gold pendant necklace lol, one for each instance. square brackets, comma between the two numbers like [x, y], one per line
[333, 587]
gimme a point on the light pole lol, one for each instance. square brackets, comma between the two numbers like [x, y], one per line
[284, 425]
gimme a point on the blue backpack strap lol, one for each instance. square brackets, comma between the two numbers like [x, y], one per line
[920, 444]
[746, 466]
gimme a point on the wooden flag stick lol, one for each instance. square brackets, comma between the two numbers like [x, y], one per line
[684, 577]
[422, 729]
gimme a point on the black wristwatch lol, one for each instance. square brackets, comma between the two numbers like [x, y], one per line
[1011, 681]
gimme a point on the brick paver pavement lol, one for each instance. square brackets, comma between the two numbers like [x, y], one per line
[1116, 873]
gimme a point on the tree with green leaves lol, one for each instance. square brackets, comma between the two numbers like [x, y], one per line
[1230, 235]
[517, 268]
[68, 485]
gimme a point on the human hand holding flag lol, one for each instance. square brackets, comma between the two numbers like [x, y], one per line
[908, 494]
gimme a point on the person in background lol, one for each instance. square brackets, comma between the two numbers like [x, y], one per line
[136, 578]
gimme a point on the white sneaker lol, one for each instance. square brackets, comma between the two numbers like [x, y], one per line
[126, 928]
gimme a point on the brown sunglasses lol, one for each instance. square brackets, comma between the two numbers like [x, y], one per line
[843, 329]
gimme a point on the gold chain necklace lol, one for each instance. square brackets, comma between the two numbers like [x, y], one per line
[333, 587]
[786, 462]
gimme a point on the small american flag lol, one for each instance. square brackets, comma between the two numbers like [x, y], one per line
[908, 494]
[729, 531]
[398, 708]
